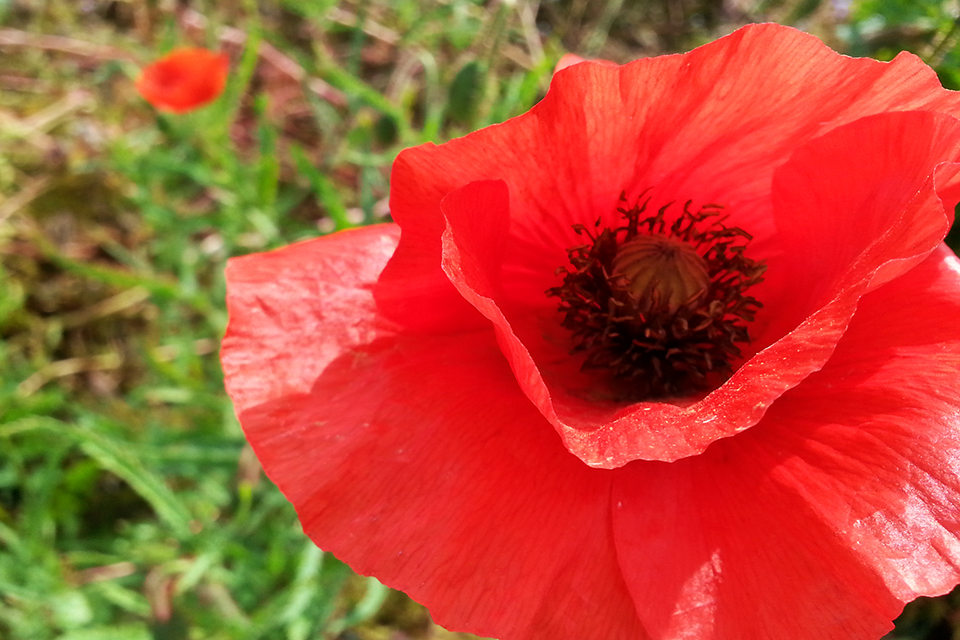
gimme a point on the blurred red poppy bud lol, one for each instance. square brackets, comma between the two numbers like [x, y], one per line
[185, 79]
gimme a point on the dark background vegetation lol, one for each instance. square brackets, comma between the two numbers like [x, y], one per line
[130, 506]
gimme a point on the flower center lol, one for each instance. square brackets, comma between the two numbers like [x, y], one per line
[661, 271]
[661, 308]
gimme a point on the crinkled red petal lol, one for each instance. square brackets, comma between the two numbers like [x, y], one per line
[876, 213]
[838, 507]
[417, 458]
[419, 461]
[711, 125]
[294, 310]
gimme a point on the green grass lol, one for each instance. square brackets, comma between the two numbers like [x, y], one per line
[130, 506]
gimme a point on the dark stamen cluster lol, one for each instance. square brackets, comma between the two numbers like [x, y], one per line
[659, 349]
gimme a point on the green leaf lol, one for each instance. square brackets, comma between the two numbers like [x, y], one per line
[466, 91]
[113, 632]
[112, 457]
[325, 192]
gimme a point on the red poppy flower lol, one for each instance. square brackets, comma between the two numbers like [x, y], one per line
[184, 79]
[547, 402]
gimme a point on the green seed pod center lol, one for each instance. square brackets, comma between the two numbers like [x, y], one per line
[661, 272]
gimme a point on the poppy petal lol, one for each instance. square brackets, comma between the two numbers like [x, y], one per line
[844, 497]
[711, 548]
[711, 125]
[353, 435]
[311, 298]
[419, 460]
[875, 436]
[568, 60]
[910, 214]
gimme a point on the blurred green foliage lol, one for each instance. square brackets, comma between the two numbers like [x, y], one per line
[130, 505]
[883, 28]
